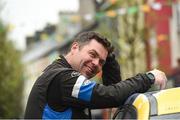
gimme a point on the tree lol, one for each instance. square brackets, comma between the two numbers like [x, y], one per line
[11, 82]
[127, 32]
[132, 38]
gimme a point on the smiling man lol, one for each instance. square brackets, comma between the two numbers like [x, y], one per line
[87, 60]
[64, 90]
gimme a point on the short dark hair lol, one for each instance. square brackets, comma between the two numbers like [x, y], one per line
[85, 37]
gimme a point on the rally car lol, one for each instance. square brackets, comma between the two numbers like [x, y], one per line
[164, 104]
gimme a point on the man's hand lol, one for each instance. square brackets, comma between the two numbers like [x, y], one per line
[111, 71]
[160, 78]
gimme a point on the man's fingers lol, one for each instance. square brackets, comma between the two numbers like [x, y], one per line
[160, 78]
[162, 86]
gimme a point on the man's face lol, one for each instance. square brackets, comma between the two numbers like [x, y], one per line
[89, 59]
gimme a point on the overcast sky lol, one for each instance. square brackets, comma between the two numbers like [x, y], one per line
[27, 16]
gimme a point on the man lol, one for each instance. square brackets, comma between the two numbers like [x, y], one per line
[64, 90]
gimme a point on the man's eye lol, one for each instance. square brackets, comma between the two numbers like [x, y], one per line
[92, 55]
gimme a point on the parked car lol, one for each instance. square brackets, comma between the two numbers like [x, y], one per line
[163, 104]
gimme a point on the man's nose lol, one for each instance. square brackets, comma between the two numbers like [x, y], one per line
[96, 62]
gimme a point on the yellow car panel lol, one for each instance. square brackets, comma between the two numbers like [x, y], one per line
[168, 101]
[142, 104]
[163, 104]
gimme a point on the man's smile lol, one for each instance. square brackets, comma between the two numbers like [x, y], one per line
[89, 70]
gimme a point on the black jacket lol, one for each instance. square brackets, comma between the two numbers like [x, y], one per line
[63, 93]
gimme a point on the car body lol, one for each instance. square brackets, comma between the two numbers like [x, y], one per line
[163, 104]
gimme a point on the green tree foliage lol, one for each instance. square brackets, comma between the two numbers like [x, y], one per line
[11, 84]
[108, 25]
[132, 38]
[127, 32]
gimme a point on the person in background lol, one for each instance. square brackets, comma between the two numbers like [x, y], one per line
[64, 89]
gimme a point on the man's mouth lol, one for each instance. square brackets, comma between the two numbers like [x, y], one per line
[90, 70]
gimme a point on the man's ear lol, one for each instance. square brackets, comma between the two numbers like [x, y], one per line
[75, 46]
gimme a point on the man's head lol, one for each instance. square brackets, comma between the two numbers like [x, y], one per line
[88, 53]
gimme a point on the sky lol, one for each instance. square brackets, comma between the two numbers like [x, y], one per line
[27, 16]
